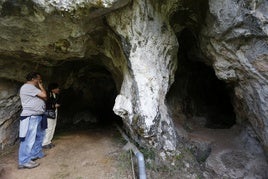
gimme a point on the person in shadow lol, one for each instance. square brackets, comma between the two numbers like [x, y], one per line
[53, 104]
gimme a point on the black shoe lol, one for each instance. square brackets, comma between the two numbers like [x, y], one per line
[29, 165]
[48, 146]
[36, 158]
[52, 145]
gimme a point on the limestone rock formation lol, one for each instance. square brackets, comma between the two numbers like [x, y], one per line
[151, 72]
[236, 43]
[161, 66]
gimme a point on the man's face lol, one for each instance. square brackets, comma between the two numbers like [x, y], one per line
[37, 80]
[56, 90]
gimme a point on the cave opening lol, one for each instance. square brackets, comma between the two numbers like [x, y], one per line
[88, 98]
[198, 97]
[88, 91]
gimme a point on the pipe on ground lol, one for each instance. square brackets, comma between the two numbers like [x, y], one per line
[138, 154]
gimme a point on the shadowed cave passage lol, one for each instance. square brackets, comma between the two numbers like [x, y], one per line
[89, 101]
[197, 94]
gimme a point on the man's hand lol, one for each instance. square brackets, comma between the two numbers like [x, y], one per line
[43, 93]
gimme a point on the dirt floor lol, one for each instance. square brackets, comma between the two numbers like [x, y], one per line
[97, 153]
[94, 153]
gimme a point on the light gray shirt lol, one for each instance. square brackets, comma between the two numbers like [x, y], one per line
[31, 104]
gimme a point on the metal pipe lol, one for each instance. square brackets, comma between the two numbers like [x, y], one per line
[138, 154]
[142, 173]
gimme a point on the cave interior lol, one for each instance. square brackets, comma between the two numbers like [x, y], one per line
[89, 87]
[197, 94]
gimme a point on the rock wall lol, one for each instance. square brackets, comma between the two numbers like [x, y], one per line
[151, 52]
[235, 41]
[9, 108]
